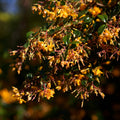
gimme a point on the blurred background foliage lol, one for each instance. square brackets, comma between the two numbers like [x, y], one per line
[16, 19]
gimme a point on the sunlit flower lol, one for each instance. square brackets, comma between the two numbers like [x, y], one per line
[48, 93]
[97, 71]
[58, 87]
[95, 11]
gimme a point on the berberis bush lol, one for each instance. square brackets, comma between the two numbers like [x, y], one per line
[78, 37]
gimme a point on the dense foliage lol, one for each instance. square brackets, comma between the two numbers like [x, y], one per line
[80, 37]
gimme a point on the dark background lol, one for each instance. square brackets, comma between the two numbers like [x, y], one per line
[16, 19]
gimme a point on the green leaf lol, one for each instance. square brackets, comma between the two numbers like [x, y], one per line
[28, 35]
[52, 53]
[26, 44]
[88, 20]
[66, 39]
[101, 29]
[62, 2]
[115, 10]
[83, 82]
[51, 31]
[106, 17]
[29, 75]
[67, 74]
[52, 4]
[89, 75]
[77, 33]
[102, 18]
[82, 13]
[75, 42]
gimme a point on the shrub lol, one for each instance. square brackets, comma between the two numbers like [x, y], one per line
[78, 39]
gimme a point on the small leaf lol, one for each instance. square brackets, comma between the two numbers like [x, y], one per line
[29, 75]
[82, 13]
[75, 42]
[89, 75]
[26, 44]
[67, 74]
[51, 32]
[77, 33]
[52, 53]
[83, 82]
[62, 2]
[66, 39]
[102, 18]
[106, 17]
[101, 29]
[88, 20]
[28, 35]
[115, 10]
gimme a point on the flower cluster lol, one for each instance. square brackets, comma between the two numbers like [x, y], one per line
[57, 11]
[110, 34]
[69, 49]
[95, 10]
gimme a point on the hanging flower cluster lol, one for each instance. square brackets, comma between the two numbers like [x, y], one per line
[69, 48]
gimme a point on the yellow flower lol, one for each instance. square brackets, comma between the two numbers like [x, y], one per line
[39, 7]
[34, 8]
[78, 81]
[114, 18]
[50, 46]
[18, 96]
[51, 59]
[65, 89]
[63, 14]
[102, 94]
[52, 16]
[22, 101]
[91, 87]
[97, 79]
[74, 15]
[58, 87]
[107, 62]
[48, 93]
[84, 71]
[82, 16]
[49, 85]
[58, 3]
[97, 20]
[95, 10]
[82, 96]
[97, 71]
[63, 63]
[40, 68]
[85, 30]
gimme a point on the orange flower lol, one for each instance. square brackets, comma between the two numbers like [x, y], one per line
[34, 8]
[95, 11]
[48, 93]
[82, 6]
[97, 71]
[78, 82]
[58, 87]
